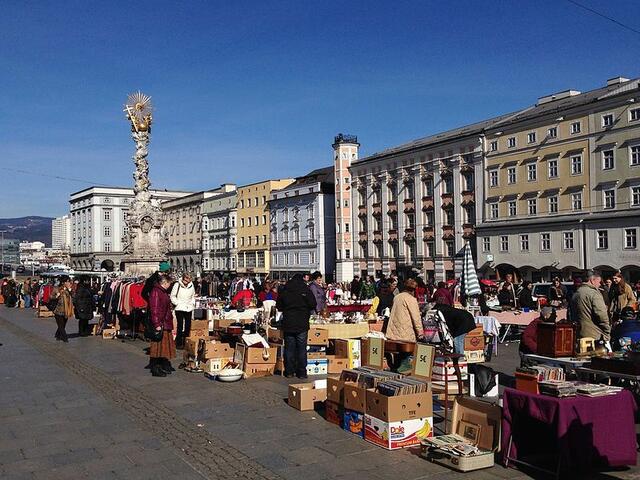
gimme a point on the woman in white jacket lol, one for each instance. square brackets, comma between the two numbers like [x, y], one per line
[183, 298]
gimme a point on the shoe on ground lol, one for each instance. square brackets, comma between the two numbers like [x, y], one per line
[302, 376]
[156, 371]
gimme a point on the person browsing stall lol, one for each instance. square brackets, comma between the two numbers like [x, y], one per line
[405, 323]
[183, 297]
[162, 351]
[589, 310]
[459, 322]
[318, 290]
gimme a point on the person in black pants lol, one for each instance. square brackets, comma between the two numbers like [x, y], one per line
[63, 307]
[83, 307]
[183, 297]
[296, 302]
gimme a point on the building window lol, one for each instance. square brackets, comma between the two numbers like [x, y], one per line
[532, 206]
[504, 243]
[576, 165]
[107, 246]
[494, 146]
[493, 210]
[107, 231]
[532, 172]
[524, 242]
[511, 142]
[630, 238]
[576, 201]
[575, 128]
[634, 155]
[545, 242]
[107, 214]
[451, 248]
[552, 132]
[493, 178]
[347, 254]
[607, 120]
[264, 219]
[553, 204]
[634, 114]
[512, 207]
[257, 220]
[567, 240]
[531, 137]
[486, 244]
[511, 175]
[553, 168]
[609, 198]
[248, 221]
[635, 196]
[607, 160]
[602, 240]
[448, 183]
[242, 241]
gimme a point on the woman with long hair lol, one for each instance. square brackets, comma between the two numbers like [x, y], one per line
[64, 307]
[162, 351]
[621, 295]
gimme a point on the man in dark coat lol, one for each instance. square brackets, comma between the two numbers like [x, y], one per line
[296, 303]
[84, 307]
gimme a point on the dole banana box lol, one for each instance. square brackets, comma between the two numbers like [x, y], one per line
[396, 435]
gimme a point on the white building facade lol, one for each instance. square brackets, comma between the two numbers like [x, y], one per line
[219, 233]
[61, 233]
[303, 226]
[99, 223]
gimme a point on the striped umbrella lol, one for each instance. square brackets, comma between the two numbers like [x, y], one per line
[470, 284]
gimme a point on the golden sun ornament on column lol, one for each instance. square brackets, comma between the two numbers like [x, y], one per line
[139, 110]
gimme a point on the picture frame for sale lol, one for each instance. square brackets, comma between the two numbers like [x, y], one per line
[423, 358]
[469, 431]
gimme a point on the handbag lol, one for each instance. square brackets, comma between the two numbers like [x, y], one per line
[150, 332]
[52, 303]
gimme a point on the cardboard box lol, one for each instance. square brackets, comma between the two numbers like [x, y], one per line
[353, 422]
[214, 349]
[199, 328]
[333, 413]
[345, 330]
[401, 407]
[349, 349]
[191, 346]
[225, 322]
[260, 355]
[354, 397]
[336, 365]
[109, 333]
[318, 336]
[303, 396]
[258, 370]
[335, 390]
[473, 342]
[396, 435]
[316, 355]
[317, 366]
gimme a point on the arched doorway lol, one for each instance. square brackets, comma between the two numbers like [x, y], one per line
[505, 268]
[107, 265]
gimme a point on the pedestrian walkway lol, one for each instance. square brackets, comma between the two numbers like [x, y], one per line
[88, 409]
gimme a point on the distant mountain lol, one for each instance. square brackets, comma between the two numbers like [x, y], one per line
[30, 229]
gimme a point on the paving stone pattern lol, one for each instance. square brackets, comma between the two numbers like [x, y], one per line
[81, 410]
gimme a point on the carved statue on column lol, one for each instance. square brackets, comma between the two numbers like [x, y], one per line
[146, 243]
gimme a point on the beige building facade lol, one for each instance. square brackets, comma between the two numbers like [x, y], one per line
[253, 226]
[555, 175]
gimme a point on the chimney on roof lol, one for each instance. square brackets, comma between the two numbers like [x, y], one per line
[616, 81]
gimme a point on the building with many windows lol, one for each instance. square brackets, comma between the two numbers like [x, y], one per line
[303, 235]
[9, 252]
[560, 179]
[415, 205]
[253, 224]
[61, 233]
[98, 225]
[219, 233]
[183, 223]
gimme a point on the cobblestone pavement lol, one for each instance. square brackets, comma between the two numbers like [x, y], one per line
[87, 409]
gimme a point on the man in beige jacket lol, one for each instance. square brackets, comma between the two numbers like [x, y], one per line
[588, 308]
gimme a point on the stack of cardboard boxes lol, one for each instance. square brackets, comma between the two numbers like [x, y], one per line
[474, 345]
[256, 356]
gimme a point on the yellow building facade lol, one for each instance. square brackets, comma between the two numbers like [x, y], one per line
[253, 221]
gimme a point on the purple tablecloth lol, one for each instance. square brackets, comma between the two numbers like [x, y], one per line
[588, 432]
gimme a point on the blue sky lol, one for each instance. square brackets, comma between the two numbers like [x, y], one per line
[252, 90]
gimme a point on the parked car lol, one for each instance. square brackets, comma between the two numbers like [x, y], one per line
[540, 291]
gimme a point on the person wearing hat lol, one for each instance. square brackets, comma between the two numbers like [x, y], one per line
[590, 311]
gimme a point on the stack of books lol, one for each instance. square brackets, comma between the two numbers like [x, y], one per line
[403, 386]
[557, 388]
